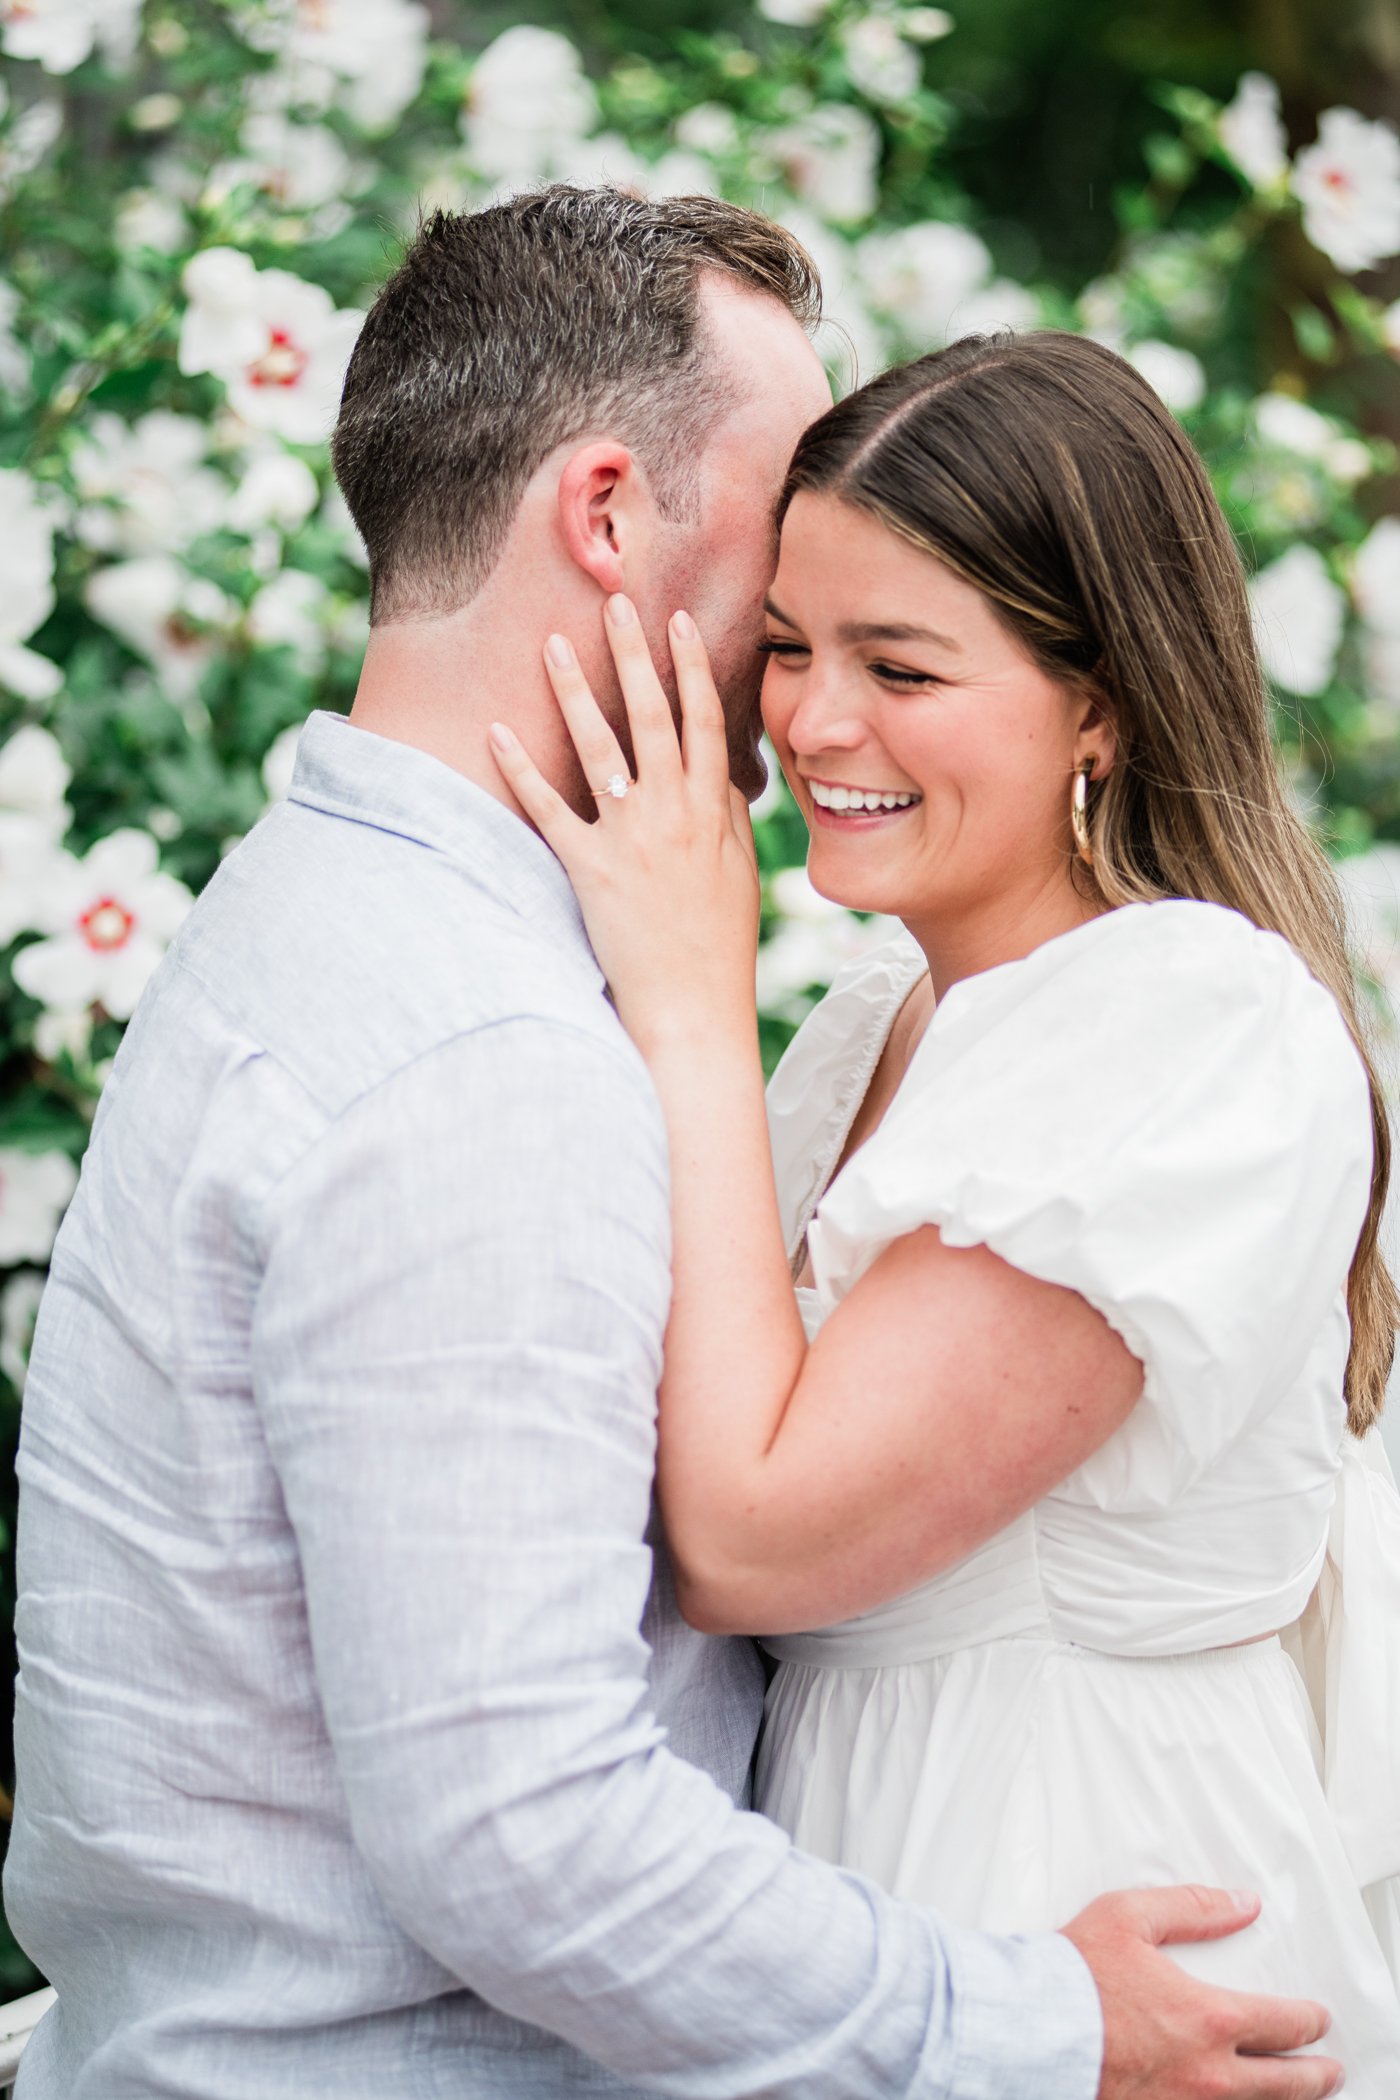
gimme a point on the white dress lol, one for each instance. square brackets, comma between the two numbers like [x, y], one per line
[1163, 1111]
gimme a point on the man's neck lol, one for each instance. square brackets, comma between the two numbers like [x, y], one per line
[439, 684]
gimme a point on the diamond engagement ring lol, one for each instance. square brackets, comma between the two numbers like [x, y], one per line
[618, 785]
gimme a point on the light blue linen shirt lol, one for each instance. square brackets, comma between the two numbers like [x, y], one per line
[362, 1751]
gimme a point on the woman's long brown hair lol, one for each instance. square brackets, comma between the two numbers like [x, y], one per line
[1045, 471]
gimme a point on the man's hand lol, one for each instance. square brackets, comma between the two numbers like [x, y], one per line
[1168, 2036]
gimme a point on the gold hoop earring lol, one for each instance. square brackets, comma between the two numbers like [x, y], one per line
[1079, 812]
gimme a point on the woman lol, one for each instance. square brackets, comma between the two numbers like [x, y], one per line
[1027, 1418]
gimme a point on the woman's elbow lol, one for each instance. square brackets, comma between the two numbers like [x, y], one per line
[713, 1600]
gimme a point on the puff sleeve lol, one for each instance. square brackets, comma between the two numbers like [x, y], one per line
[1163, 1111]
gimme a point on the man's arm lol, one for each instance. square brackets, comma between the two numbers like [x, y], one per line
[457, 1348]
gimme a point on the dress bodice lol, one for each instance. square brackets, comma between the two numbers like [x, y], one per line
[1165, 1112]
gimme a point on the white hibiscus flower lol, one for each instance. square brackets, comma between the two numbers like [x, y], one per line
[35, 1190]
[34, 777]
[1375, 578]
[830, 159]
[998, 305]
[277, 489]
[528, 102]
[173, 619]
[1299, 613]
[27, 863]
[26, 586]
[794, 14]
[880, 62]
[60, 34]
[110, 917]
[300, 167]
[1292, 426]
[145, 486]
[849, 340]
[280, 345]
[1348, 184]
[1252, 133]
[604, 159]
[33, 818]
[934, 281]
[1174, 375]
[707, 127]
[367, 56]
[150, 219]
[28, 138]
[290, 612]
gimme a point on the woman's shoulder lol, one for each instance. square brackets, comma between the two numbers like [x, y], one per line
[1153, 1036]
[1160, 982]
[1174, 941]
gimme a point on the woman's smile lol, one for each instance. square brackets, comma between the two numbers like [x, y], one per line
[839, 806]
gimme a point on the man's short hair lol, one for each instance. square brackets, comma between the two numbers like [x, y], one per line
[507, 332]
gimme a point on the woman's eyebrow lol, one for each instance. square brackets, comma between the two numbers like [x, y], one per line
[893, 631]
[871, 630]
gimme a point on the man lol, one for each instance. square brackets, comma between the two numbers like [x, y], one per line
[360, 1752]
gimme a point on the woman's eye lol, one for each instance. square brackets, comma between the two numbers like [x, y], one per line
[892, 674]
[770, 647]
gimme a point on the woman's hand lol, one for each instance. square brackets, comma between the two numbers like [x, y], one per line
[666, 876]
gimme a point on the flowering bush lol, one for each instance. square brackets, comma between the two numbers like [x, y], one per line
[200, 200]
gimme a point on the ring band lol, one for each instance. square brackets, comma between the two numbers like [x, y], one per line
[618, 786]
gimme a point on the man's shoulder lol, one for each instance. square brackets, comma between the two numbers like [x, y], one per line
[346, 954]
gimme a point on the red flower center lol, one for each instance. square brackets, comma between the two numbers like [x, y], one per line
[106, 925]
[1335, 179]
[281, 364]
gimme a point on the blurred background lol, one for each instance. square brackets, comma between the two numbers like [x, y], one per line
[198, 199]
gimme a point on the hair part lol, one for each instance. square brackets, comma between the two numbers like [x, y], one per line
[1044, 470]
[507, 332]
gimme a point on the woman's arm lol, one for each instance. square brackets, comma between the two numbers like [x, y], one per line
[948, 1392]
[945, 1395]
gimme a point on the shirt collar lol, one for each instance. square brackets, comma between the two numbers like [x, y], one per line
[352, 773]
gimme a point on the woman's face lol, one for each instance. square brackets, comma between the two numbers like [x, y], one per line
[891, 677]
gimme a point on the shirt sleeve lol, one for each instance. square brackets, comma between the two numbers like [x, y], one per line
[456, 1352]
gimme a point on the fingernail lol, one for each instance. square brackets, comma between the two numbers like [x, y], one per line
[1245, 1899]
[683, 625]
[500, 736]
[620, 610]
[559, 652]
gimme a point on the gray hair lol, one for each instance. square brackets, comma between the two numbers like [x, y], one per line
[507, 332]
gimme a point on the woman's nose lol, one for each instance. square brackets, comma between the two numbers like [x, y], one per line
[825, 719]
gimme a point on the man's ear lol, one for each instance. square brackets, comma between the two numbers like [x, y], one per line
[599, 490]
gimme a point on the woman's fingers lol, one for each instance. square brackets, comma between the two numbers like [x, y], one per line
[599, 752]
[648, 711]
[547, 810]
[704, 732]
[656, 747]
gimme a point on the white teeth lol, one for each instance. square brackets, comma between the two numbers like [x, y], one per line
[840, 798]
